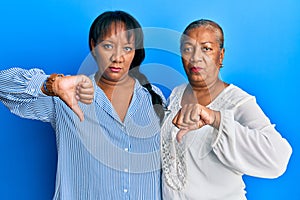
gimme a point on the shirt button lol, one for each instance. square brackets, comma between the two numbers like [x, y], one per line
[125, 190]
[126, 170]
[126, 149]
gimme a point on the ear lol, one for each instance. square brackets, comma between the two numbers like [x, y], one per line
[92, 44]
[221, 56]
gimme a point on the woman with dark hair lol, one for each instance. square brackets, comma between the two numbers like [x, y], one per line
[215, 132]
[103, 26]
[107, 125]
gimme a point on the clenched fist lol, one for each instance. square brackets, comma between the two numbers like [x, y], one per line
[72, 89]
[194, 116]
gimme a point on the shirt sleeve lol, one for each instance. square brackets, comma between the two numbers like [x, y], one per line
[248, 143]
[20, 92]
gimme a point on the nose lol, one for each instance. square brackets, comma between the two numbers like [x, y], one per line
[197, 55]
[117, 56]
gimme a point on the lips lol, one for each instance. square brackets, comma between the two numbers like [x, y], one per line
[196, 69]
[115, 69]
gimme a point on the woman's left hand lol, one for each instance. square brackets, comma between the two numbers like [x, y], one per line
[194, 116]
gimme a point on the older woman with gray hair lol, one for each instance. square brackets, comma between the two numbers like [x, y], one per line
[215, 132]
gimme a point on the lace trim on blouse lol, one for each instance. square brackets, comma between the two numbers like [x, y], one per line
[173, 153]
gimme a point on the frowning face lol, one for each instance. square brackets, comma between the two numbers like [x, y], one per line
[201, 55]
[114, 53]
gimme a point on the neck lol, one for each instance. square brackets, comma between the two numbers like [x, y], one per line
[206, 93]
[206, 87]
[105, 83]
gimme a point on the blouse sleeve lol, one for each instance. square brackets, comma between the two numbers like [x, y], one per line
[20, 92]
[248, 143]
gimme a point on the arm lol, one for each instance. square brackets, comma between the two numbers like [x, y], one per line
[21, 92]
[248, 143]
[71, 90]
[245, 140]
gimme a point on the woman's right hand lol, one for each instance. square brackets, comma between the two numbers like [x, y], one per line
[194, 116]
[72, 89]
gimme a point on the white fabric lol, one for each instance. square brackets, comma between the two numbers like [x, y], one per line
[209, 163]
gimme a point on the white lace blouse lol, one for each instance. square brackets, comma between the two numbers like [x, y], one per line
[209, 163]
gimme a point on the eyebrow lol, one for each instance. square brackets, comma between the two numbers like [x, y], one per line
[208, 42]
[106, 41]
[110, 41]
[190, 43]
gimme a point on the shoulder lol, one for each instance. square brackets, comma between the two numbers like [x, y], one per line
[139, 89]
[235, 96]
[157, 90]
[178, 90]
[175, 97]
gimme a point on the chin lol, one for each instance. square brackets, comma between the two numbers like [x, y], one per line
[196, 77]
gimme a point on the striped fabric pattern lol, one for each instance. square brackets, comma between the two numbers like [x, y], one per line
[101, 157]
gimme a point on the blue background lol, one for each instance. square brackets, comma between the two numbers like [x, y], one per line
[262, 41]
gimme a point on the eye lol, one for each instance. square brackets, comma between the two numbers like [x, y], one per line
[128, 49]
[206, 49]
[107, 46]
[187, 49]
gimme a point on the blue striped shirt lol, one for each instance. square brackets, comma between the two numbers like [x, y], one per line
[101, 157]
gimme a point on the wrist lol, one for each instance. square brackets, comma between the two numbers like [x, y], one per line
[216, 121]
[49, 86]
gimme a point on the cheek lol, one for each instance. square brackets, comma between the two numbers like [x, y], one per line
[185, 57]
[185, 61]
[129, 58]
[218, 59]
[212, 62]
[102, 63]
[102, 57]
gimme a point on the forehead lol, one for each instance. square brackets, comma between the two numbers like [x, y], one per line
[118, 30]
[201, 35]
